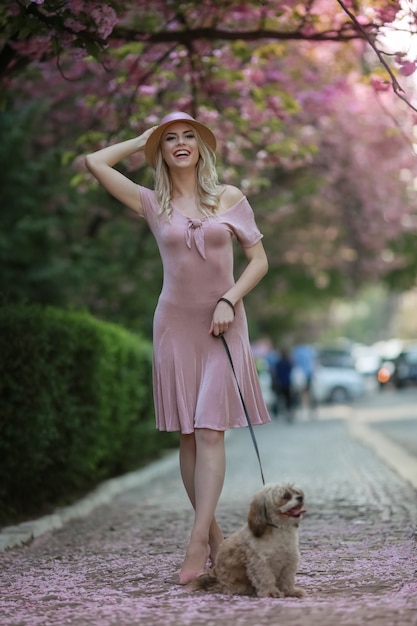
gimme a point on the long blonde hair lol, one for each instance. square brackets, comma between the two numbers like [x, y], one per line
[207, 180]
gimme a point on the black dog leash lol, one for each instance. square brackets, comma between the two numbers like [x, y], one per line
[244, 408]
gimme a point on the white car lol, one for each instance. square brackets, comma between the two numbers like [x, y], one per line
[338, 385]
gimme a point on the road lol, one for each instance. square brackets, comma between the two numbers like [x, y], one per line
[117, 566]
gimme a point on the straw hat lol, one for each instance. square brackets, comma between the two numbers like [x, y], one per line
[152, 144]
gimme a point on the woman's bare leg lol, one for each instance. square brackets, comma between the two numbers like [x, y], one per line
[187, 467]
[202, 464]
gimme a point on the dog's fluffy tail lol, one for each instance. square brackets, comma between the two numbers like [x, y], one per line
[206, 582]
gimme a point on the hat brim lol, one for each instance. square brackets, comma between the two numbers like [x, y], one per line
[154, 139]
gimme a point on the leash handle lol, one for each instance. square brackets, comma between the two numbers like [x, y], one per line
[244, 408]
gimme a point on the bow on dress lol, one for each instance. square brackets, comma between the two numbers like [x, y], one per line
[194, 231]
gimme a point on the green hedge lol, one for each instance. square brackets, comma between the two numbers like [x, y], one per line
[76, 406]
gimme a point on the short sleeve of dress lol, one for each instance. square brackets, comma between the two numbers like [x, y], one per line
[149, 203]
[241, 220]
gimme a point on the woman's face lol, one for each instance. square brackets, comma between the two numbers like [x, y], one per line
[179, 146]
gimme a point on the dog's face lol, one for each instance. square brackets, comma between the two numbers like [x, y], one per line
[275, 505]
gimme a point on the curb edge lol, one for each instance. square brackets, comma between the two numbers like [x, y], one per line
[25, 532]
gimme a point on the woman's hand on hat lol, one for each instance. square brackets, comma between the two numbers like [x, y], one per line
[145, 136]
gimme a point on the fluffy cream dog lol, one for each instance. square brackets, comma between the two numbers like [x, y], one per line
[262, 557]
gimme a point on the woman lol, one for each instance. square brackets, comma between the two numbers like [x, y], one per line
[193, 219]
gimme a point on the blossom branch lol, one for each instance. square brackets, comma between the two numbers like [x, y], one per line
[398, 90]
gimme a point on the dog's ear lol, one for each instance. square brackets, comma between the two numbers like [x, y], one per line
[257, 516]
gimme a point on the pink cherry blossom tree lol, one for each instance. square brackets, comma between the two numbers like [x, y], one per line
[303, 98]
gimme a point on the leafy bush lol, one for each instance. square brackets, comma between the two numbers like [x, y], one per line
[76, 406]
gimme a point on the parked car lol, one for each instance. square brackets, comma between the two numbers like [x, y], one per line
[335, 357]
[336, 379]
[405, 371]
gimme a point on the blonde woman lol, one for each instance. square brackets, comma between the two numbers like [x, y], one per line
[194, 220]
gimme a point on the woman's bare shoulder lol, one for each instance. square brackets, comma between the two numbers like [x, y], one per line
[229, 196]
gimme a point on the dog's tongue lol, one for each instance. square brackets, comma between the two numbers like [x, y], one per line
[297, 512]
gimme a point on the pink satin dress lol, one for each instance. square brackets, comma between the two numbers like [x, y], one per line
[193, 382]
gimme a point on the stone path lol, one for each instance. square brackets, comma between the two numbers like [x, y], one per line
[117, 566]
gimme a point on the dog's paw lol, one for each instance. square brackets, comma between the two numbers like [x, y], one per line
[297, 592]
[274, 592]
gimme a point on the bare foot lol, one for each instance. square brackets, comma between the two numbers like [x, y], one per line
[194, 563]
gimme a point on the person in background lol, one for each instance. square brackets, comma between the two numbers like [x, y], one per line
[304, 359]
[266, 357]
[282, 381]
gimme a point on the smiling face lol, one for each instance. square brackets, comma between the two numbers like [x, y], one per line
[179, 146]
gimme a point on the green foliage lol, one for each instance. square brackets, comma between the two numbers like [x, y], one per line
[63, 246]
[403, 275]
[31, 181]
[367, 318]
[76, 406]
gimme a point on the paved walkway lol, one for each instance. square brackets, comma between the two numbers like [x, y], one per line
[117, 565]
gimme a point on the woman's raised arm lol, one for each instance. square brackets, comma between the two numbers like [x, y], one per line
[101, 163]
